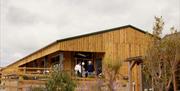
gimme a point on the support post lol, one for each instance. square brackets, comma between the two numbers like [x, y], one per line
[131, 65]
[129, 75]
[140, 77]
[61, 58]
[45, 63]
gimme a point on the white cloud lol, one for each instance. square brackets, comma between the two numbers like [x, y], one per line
[27, 25]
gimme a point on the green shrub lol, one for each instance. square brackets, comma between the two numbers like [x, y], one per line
[60, 81]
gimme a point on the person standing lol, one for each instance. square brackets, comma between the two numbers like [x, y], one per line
[77, 69]
[90, 68]
[83, 70]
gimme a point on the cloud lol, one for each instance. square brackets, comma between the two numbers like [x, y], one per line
[27, 25]
[19, 16]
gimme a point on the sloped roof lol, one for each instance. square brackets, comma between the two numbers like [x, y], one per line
[103, 31]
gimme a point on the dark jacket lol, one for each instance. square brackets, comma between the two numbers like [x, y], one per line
[90, 68]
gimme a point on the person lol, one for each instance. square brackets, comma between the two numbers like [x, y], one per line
[77, 69]
[90, 68]
[83, 70]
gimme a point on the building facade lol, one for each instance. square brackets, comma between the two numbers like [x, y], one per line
[125, 44]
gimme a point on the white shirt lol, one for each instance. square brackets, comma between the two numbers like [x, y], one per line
[78, 68]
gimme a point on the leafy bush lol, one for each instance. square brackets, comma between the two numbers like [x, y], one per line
[60, 81]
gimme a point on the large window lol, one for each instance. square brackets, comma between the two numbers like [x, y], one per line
[89, 63]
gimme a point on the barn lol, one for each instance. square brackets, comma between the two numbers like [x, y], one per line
[127, 44]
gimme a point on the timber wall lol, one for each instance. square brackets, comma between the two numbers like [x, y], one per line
[117, 46]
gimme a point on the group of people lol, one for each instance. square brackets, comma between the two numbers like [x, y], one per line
[84, 71]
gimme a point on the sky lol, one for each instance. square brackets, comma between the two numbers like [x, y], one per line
[28, 25]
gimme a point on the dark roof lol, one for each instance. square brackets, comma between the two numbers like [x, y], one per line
[84, 35]
[103, 31]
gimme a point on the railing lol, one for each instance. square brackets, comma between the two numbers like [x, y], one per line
[27, 73]
[33, 73]
[29, 76]
[33, 70]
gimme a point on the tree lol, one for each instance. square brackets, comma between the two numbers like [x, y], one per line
[112, 70]
[158, 26]
[171, 52]
[162, 58]
[112, 74]
[153, 63]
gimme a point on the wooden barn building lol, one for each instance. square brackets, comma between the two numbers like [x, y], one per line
[126, 43]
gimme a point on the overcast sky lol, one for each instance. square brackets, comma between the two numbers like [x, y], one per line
[27, 25]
